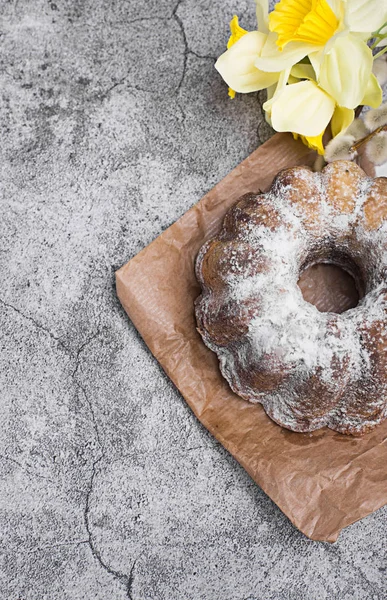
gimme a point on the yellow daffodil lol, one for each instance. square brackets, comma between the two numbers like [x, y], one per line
[237, 64]
[311, 22]
[333, 35]
[365, 16]
[341, 119]
[301, 106]
[296, 107]
[236, 33]
[313, 59]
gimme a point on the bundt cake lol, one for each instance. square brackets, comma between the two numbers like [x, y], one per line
[307, 368]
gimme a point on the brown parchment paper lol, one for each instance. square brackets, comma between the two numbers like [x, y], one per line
[322, 481]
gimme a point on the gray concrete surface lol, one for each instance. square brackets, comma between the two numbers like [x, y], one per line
[113, 123]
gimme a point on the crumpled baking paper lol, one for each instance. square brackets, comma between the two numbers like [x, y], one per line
[323, 481]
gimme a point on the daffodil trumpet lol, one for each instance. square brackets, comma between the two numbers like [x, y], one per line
[315, 61]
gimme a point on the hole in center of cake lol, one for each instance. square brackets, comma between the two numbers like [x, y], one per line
[330, 288]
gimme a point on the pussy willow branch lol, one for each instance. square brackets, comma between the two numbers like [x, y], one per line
[367, 138]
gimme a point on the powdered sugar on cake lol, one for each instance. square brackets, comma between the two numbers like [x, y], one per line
[314, 359]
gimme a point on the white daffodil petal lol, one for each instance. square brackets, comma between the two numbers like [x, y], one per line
[302, 108]
[365, 15]
[270, 92]
[263, 15]
[346, 70]
[341, 32]
[342, 118]
[373, 94]
[272, 59]
[302, 71]
[279, 88]
[269, 95]
[336, 6]
[237, 65]
[316, 59]
[362, 35]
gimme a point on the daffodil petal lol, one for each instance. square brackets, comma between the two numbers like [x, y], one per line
[272, 59]
[315, 143]
[269, 95]
[237, 65]
[236, 31]
[365, 15]
[373, 94]
[277, 90]
[302, 108]
[342, 118]
[316, 59]
[293, 79]
[271, 91]
[262, 10]
[337, 7]
[341, 32]
[302, 71]
[346, 70]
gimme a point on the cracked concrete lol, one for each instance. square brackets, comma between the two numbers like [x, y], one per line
[114, 122]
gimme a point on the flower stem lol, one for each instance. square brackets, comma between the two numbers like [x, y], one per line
[377, 42]
[378, 36]
[376, 33]
[380, 53]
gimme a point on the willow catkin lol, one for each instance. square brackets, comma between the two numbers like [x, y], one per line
[340, 148]
[376, 117]
[379, 69]
[358, 129]
[376, 148]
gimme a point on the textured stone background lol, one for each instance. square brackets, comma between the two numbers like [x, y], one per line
[113, 123]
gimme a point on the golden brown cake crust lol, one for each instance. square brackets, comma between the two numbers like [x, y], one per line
[308, 369]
